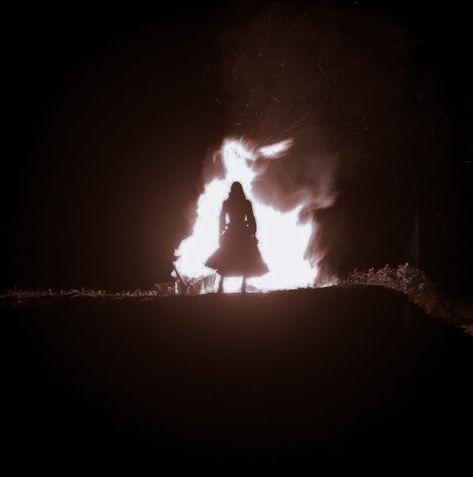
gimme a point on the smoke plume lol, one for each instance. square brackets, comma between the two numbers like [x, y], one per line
[338, 84]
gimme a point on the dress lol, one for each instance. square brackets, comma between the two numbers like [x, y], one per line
[238, 254]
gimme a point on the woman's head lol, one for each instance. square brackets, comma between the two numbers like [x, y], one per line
[236, 192]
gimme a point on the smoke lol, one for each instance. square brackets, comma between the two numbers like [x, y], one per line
[275, 77]
[336, 83]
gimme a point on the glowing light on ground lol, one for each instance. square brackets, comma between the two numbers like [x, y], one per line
[283, 239]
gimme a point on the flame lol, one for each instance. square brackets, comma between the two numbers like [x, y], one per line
[282, 237]
[275, 150]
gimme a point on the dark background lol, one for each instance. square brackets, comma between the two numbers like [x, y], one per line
[115, 110]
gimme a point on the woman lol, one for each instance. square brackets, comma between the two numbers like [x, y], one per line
[238, 254]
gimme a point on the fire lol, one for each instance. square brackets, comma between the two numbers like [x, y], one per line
[282, 237]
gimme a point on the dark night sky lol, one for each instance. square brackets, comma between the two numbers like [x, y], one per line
[116, 110]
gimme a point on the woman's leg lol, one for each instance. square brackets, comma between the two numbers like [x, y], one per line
[220, 285]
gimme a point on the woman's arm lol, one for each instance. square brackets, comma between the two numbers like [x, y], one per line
[223, 213]
[250, 217]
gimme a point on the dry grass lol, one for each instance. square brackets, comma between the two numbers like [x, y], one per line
[405, 278]
[419, 288]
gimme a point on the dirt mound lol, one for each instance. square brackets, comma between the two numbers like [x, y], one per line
[330, 378]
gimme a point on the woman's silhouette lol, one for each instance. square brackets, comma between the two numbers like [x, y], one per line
[238, 254]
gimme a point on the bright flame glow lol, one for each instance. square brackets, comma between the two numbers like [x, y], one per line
[282, 239]
[275, 150]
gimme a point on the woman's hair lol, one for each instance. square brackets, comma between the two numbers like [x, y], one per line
[236, 192]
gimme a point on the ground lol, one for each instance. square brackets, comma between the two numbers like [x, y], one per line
[336, 378]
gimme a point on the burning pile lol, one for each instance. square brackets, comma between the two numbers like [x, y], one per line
[283, 236]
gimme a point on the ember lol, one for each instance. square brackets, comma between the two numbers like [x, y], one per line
[283, 236]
